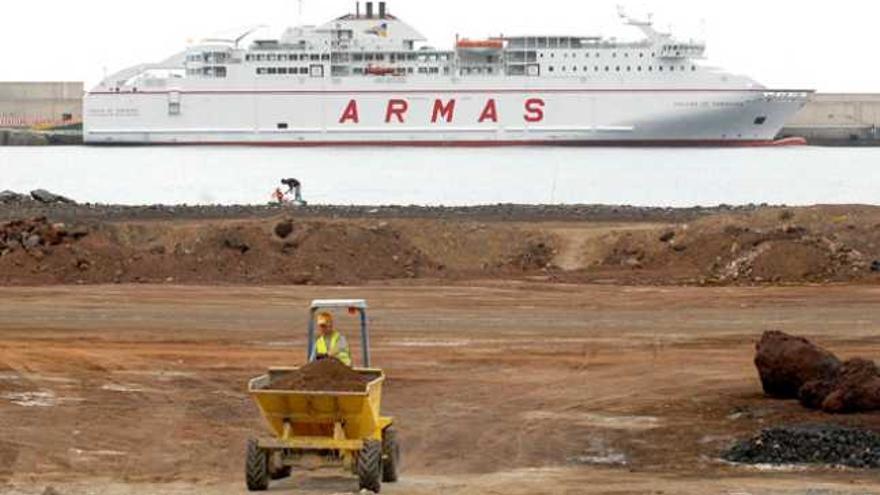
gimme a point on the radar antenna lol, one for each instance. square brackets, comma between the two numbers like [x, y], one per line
[645, 26]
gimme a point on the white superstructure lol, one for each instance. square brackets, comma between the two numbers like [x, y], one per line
[368, 78]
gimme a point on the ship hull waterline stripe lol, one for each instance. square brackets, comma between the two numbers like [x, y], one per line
[485, 144]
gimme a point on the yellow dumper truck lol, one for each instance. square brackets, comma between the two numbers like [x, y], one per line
[342, 428]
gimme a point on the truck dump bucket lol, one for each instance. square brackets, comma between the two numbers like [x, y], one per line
[321, 420]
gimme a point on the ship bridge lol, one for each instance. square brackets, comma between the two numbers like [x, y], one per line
[374, 29]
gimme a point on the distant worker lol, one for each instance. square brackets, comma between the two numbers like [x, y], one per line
[330, 343]
[294, 187]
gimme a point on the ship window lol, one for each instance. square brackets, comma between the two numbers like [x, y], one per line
[219, 71]
[629, 68]
[660, 68]
[650, 68]
[760, 120]
[282, 70]
[693, 67]
[304, 71]
[327, 57]
[272, 70]
[617, 68]
[282, 125]
[641, 55]
[626, 55]
[260, 71]
[640, 68]
[607, 68]
[282, 57]
[271, 57]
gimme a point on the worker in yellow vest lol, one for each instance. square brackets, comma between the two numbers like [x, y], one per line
[330, 343]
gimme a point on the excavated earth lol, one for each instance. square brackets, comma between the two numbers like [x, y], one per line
[353, 245]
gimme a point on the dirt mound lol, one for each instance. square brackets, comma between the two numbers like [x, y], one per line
[315, 252]
[770, 246]
[811, 444]
[327, 375]
[786, 363]
[793, 367]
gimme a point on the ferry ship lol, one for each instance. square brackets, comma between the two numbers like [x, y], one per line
[369, 78]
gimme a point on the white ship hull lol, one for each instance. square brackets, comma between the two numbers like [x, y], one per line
[404, 116]
[367, 79]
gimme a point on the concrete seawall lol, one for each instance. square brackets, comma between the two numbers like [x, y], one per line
[19, 137]
[838, 119]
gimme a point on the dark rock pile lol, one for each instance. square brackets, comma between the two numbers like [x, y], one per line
[795, 368]
[810, 444]
[46, 197]
[37, 196]
[11, 198]
[34, 235]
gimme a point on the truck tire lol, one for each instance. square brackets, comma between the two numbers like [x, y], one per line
[369, 466]
[256, 470]
[390, 455]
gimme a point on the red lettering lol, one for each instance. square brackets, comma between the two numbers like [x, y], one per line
[490, 112]
[350, 113]
[396, 108]
[446, 111]
[534, 110]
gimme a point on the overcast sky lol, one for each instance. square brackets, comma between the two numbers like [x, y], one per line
[829, 46]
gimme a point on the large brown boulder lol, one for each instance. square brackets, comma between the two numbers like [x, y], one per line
[785, 363]
[857, 388]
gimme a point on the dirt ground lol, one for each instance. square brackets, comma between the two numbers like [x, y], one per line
[507, 387]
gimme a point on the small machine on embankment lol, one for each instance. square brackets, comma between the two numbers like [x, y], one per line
[324, 408]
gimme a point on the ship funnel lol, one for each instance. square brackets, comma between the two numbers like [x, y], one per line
[357, 10]
[369, 10]
[381, 10]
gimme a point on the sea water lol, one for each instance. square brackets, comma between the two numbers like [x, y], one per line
[799, 175]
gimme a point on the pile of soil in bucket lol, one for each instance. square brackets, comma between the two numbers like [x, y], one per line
[327, 375]
[810, 444]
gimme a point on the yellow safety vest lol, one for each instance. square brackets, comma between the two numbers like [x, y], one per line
[321, 349]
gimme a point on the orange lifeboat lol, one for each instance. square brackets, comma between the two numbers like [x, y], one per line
[480, 46]
[375, 70]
